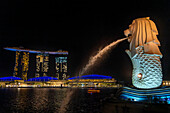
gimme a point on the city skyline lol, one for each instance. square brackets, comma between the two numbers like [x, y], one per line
[81, 28]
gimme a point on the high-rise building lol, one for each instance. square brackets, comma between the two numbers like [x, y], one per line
[61, 67]
[21, 65]
[42, 64]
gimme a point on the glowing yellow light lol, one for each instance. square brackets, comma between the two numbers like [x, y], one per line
[140, 75]
[25, 64]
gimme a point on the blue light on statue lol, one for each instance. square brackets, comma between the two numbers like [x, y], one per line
[162, 94]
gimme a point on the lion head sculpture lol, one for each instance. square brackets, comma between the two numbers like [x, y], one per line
[144, 33]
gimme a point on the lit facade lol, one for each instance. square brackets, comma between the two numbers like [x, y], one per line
[11, 78]
[25, 64]
[93, 81]
[21, 65]
[61, 67]
[46, 81]
[166, 83]
[42, 65]
[17, 54]
[42, 62]
[42, 79]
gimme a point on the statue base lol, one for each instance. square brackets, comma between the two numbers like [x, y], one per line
[159, 95]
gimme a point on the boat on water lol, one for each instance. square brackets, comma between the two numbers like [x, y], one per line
[93, 91]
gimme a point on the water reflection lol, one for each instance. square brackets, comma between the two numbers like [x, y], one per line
[51, 100]
[66, 100]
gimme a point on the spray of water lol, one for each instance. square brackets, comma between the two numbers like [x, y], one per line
[66, 100]
[99, 55]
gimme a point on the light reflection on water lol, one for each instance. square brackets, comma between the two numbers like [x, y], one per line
[51, 100]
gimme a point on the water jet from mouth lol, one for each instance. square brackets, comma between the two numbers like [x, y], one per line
[99, 55]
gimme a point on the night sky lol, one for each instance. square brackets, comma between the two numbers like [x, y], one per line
[81, 27]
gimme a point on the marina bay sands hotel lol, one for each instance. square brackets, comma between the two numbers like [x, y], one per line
[42, 62]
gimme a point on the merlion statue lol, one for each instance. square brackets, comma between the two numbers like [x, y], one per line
[144, 53]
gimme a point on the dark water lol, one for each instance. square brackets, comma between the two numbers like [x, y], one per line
[51, 100]
[67, 100]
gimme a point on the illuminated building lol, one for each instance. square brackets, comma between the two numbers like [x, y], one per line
[16, 64]
[42, 79]
[61, 67]
[46, 81]
[21, 65]
[5, 81]
[25, 64]
[166, 83]
[11, 78]
[92, 81]
[42, 62]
